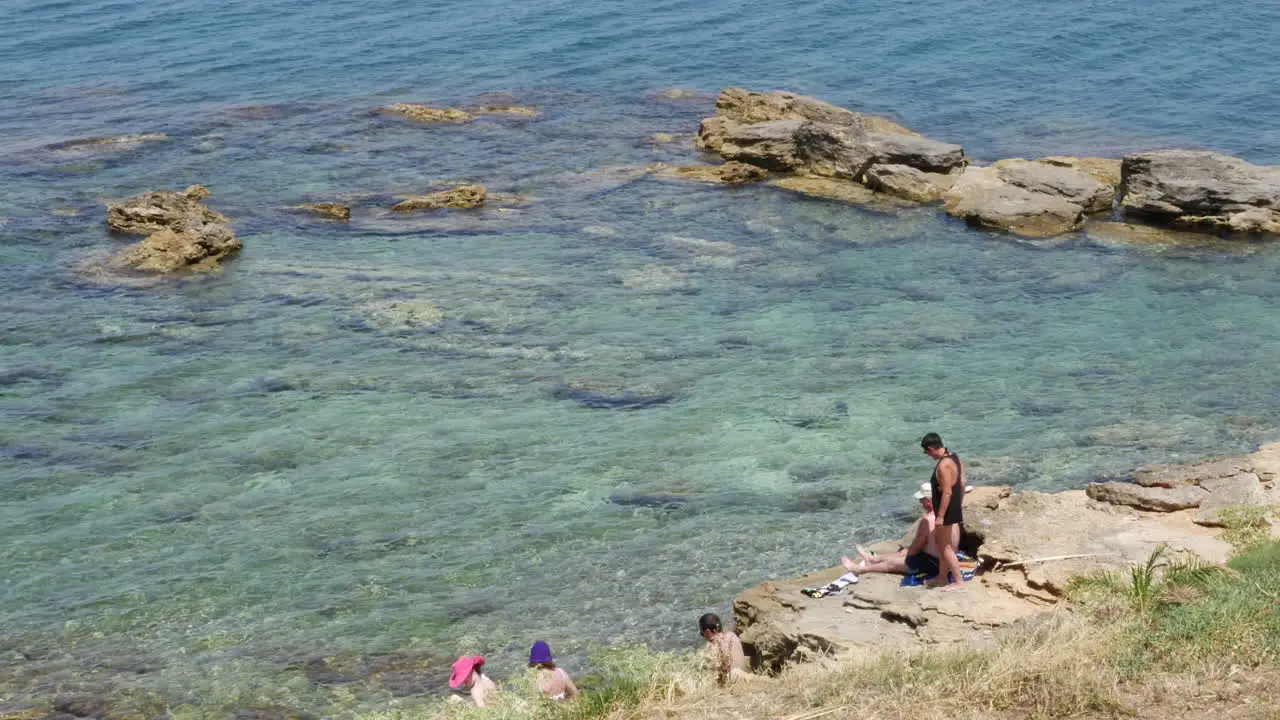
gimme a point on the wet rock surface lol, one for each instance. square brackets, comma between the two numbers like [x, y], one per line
[730, 173]
[1029, 544]
[337, 211]
[428, 114]
[461, 197]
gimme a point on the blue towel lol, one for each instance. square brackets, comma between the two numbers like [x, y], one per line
[968, 566]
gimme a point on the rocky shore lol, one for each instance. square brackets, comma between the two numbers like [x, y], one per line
[1029, 544]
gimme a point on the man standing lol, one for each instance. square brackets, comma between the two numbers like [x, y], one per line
[947, 484]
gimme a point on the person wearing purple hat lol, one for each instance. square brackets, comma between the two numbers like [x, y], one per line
[553, 681]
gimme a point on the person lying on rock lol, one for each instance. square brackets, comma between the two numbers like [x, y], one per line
[553, 681]
[467, 675]
[921, 556]
[947, 489]
[724, 648]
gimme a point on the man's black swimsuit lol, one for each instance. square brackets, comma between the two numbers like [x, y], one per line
[955, 512]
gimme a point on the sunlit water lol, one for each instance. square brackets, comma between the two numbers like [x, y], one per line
[209, 483]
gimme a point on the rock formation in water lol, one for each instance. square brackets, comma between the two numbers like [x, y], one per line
[337, 211]
[1201, 189]
[730, 173]
[182, 233]
[427, 114]
[463, 196]
[1030, 544]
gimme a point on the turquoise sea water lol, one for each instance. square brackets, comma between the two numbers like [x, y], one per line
[212, 484]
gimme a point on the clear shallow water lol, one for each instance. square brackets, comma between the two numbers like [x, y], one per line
[215, 480]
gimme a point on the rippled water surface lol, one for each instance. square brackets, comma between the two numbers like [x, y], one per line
[640, 397]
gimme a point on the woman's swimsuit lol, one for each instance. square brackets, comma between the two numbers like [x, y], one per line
[563, 693]
[955, 512]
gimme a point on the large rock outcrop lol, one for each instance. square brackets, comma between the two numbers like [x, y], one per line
[1030, 546]
[1202, 189]
[786, 132]
[182, 233]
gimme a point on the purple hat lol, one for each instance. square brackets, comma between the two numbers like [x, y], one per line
[540, 653]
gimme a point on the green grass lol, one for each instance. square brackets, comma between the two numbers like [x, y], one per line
[1236, 621]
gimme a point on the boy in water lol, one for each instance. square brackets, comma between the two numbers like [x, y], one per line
[724, 648]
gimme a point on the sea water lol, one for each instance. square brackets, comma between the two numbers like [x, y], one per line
[212, 484]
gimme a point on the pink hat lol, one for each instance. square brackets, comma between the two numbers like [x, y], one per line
[462, 669]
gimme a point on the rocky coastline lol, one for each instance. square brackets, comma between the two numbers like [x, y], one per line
[1029, 545]
[805, 145]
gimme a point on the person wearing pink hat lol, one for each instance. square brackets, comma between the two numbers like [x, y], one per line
[467, 675]
[553, 681]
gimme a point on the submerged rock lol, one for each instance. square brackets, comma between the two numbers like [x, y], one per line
[513, 110]
[730, 173]
[606, 395]
[1204, 189]
[111, 143]
[427, 114]
[183, 234]
[1128, 233]
[657, 279]
[337, 211]
[464, 196]
[401, 314]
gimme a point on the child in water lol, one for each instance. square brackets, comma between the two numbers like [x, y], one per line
[724, 648]
[468, 676]
[553, 682]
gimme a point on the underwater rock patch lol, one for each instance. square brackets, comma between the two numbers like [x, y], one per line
[337, 211]
[604, 395]
[428, 114]
[655, 500]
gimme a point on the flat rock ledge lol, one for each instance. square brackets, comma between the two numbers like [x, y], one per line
[182, 233]
[1030, 544]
